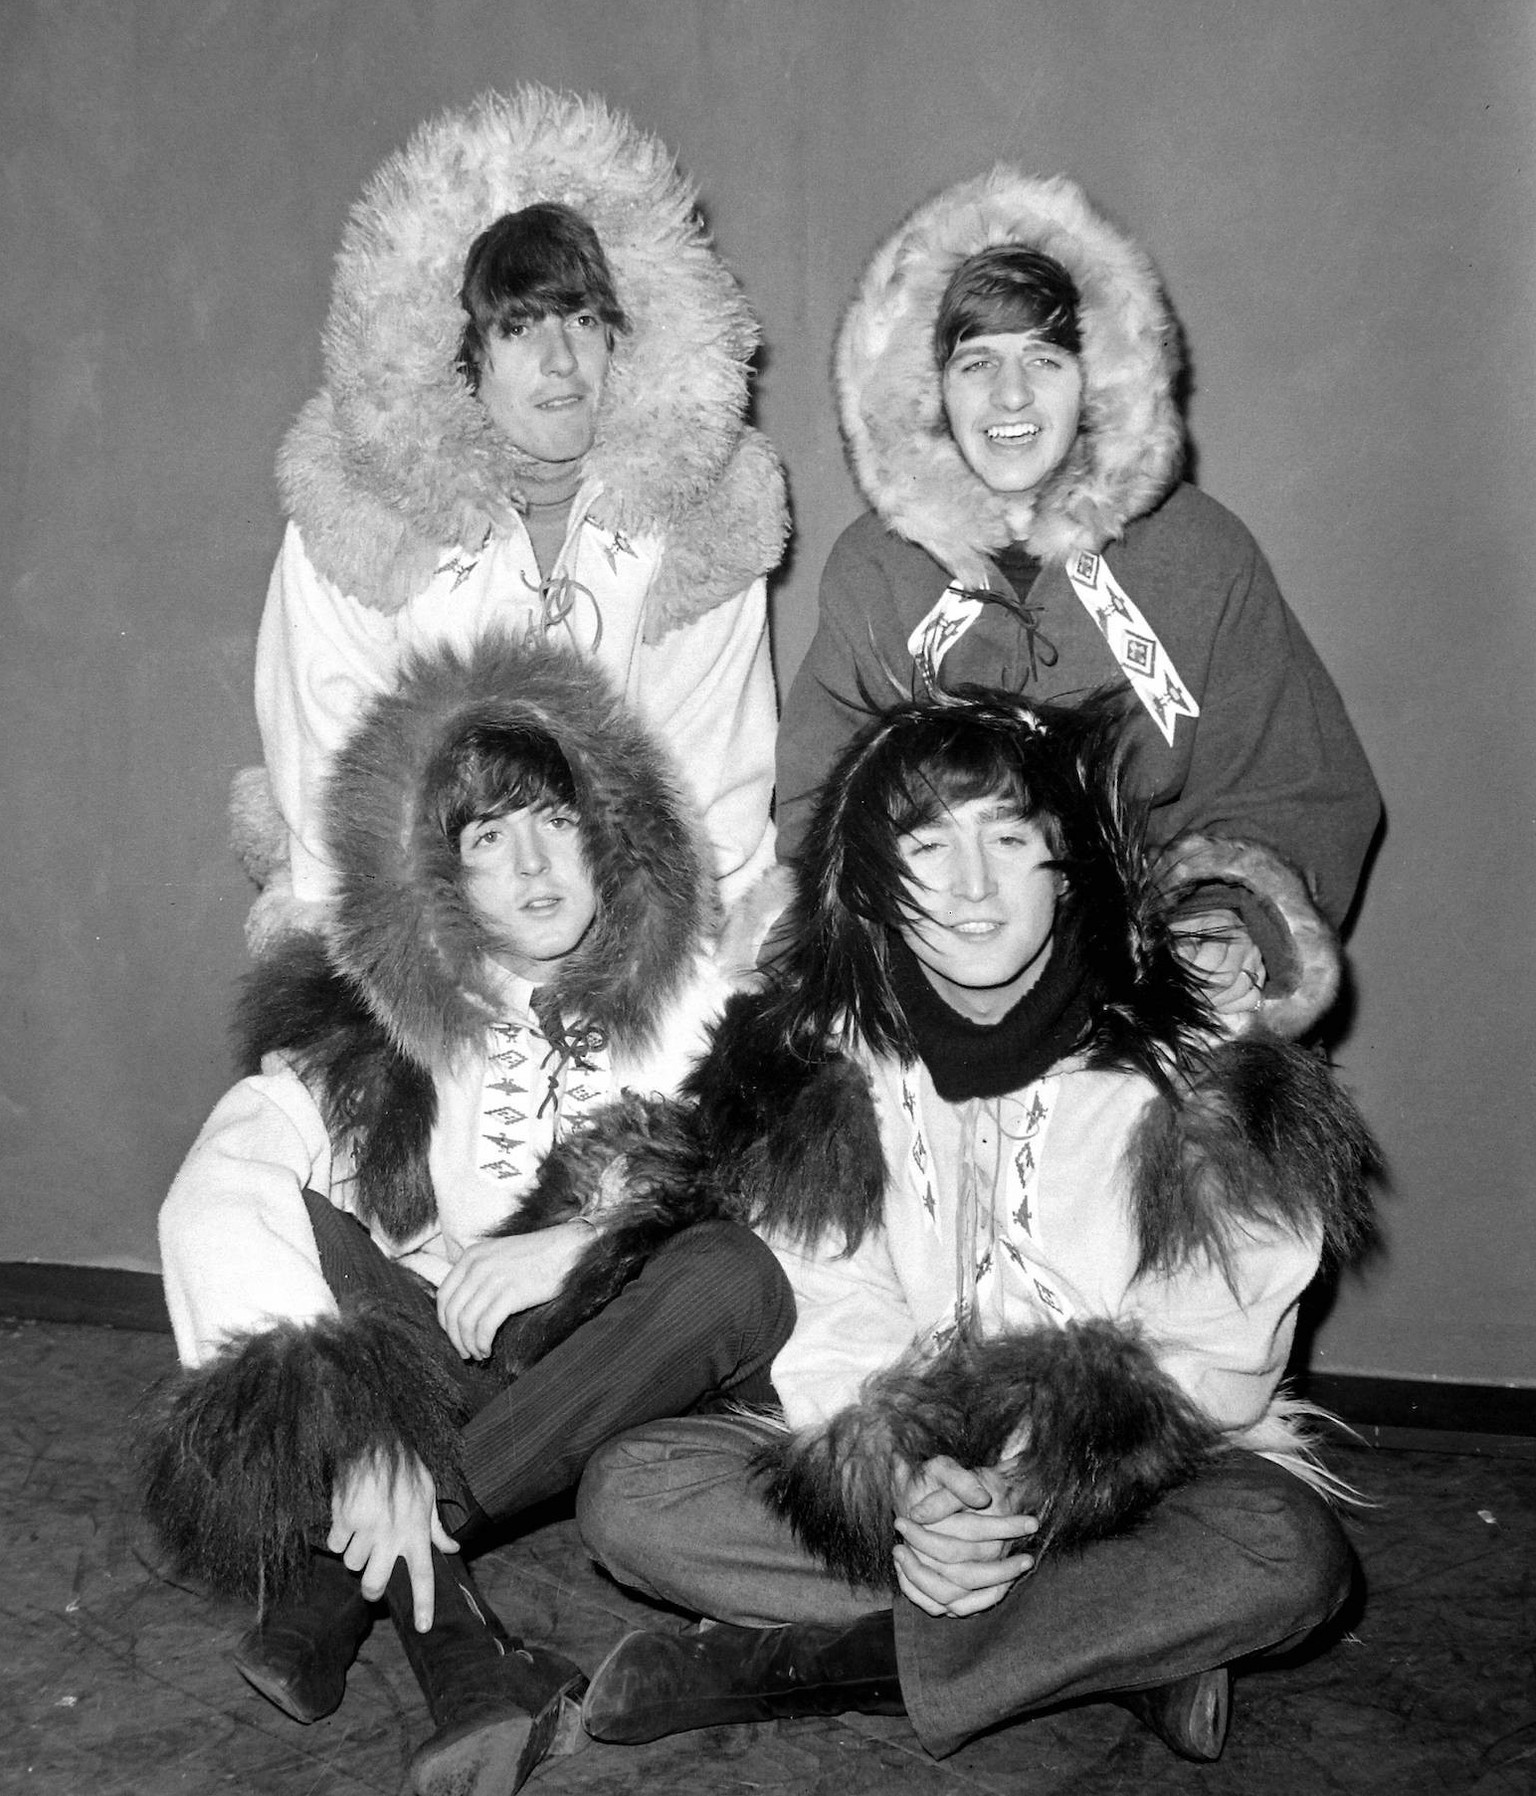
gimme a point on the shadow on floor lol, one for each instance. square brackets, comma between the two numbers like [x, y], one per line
[117, 1680]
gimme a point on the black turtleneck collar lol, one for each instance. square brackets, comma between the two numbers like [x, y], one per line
[984, 1060]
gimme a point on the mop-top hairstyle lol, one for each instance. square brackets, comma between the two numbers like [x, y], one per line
[1007, 290]
[492, 769]
[543, 261]
[1062, 767]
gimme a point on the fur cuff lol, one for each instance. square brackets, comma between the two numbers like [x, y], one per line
[1302, 960]
[238, 1457]
[1085, 1425]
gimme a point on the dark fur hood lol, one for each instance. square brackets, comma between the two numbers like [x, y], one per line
[394, 460]
[1130, 446]
[403, 931]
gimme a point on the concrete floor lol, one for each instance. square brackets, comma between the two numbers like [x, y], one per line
[114, 1678]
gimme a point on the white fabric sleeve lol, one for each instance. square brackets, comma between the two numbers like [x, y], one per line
[851, 1319]
[236, 1247]
[320, 656]
[1227, 1347]
[707, 691]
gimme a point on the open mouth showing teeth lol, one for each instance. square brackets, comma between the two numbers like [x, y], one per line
[1012, 433]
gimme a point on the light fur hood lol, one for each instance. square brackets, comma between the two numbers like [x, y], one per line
[404, 930]
[1130, 443]
[394, 459]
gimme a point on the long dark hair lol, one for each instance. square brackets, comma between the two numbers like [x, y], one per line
[1063, 766]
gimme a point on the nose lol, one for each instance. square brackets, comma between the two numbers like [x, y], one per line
[1013, 389]
[972, 877]
[559, 357]
[529, 854]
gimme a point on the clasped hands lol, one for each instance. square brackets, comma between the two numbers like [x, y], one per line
[959, 1537]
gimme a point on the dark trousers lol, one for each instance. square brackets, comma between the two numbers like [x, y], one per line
[696, 1330]
[1243, 1560]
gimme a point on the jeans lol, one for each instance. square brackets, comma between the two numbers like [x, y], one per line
[1242, 1560]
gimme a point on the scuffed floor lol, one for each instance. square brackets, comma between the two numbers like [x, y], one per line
[116, 1679]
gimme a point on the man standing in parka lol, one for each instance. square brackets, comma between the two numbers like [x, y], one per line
[1006, 376]
[532, 418]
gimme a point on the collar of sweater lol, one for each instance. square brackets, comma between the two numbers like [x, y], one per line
[983, 1060]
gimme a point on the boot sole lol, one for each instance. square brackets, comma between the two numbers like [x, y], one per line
[497, 1757]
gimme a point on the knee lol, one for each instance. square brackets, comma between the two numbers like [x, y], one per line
[622, 1501]
[1311, 1563]
[735, 1283]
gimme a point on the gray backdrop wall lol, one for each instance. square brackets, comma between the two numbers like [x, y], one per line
[1340, 198]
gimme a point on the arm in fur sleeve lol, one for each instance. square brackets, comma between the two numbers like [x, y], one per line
[279, 1389]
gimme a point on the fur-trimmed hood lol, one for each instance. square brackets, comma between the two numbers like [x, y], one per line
[404, 931]
[1130, 443]
[394, 459]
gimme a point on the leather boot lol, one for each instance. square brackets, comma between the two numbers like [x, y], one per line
[656, 1684]
[498, 1707]
[1190, 1715]
[298, 1654]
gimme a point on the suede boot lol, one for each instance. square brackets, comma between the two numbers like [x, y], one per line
[656, 1684]
[498, 1707]
[298, 1654]
[1190, 1715]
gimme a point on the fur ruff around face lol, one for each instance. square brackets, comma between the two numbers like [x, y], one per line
[404, 931]
[1130, 443]
[395, 460]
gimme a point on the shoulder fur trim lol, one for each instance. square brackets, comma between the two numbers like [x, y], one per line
[1260, 1135]
[404, 931]
[394, 460]
[1130, 448]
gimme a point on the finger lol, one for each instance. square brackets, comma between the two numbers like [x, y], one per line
[949, 1475]
[441, 1538]
[376, 1570]
[911, 1590]
[983, 1525]
[968, 1535]
[970, 1573]
[418, 1563]
[977, 1600]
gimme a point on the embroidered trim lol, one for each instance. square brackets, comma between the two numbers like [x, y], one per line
[1133, 642]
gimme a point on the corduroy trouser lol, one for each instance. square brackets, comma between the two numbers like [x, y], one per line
[1244, 1560]
[698, 1328]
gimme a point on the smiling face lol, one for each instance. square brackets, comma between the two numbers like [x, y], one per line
[527, 879]
[980, 876]
[542, 383]
[1013, 401]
